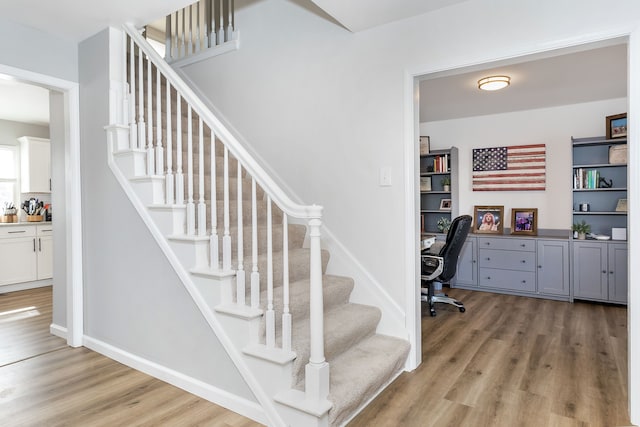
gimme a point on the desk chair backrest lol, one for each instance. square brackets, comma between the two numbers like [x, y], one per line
[450, 252]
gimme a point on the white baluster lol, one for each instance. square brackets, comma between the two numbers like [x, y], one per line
[191, 214]
[255, 275]
[198, 37]
[151, 161]
[141, 128]
[286, 315]
[190, 43]
[229, 32]
[133, 128]
[168, 37]
[240, 274]
[202, 207]
[179, 175]
[270, 314]
[159, 148]
[183, 51]
[168, 179]
[176, 36]
[317, 370]
[213, 241]
[226, 238]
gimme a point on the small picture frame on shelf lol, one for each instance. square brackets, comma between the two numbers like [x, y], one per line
[425, 183]
[524, 221]
[621, 206]
[445, 204]
[424, 145]
[617, 126]
[488, 219]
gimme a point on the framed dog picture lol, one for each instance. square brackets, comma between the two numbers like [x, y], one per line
[488, 219]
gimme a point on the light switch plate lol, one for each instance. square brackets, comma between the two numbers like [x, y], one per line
[385, 176]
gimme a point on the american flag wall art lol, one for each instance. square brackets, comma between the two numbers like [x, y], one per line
[515, 168]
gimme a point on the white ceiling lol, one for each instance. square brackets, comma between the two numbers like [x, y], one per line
[577, 77]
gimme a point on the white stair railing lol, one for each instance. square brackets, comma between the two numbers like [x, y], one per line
[225, 148]
[197, 27]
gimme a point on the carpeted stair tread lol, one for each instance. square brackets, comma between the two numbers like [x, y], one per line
[360, 372]
[344, 327]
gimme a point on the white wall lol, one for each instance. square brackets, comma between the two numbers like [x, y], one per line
[324, 107]
[133, 300]
[33, 50]
[551, 126]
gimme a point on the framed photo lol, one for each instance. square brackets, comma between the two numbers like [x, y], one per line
[622, 205]
[617, 126]
[424, 145]
[445, 204]
[524, 221]
[425, 183]
[488, 219]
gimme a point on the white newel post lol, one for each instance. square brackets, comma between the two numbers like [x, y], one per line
[317, 370]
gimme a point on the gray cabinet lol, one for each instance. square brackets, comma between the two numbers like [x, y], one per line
[467, 273]
[600, 271]
[553, 267]
[507, 264]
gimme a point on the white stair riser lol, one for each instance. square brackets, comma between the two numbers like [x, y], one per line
[131, 163]
[192, 254]
[170, 221]
[150, 191]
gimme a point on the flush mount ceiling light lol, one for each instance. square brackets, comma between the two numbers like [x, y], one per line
[494, 82]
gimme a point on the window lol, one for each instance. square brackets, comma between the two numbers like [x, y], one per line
[8, 174]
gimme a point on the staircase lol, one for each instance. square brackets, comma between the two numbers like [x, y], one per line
[249, 256]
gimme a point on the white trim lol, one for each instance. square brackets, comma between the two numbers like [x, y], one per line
[57, 330]
[73, 196]
[25, 285]
[192, 385]
[411, 221]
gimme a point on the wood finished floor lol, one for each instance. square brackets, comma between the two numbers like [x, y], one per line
[512, 361]
[45, 383]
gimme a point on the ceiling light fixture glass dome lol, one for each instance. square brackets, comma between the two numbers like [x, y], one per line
[494, 82]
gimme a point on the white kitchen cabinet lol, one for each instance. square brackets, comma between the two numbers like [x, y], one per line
[44, 251]
[35, 165]
[18, 254]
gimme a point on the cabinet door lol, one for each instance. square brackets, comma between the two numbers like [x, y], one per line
[35, 165]
[590, 270]
[467, 273]
[553, 267]
[618, 267]
[18, 257]
[45, 257]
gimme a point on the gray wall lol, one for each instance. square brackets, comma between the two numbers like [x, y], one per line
[133, 299]
[34, 50]
[10, 131]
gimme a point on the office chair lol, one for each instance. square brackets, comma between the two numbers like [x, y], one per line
[441, 267]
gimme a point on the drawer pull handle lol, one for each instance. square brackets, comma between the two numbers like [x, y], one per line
[523, 261]
[523, 245]
[19, 231]
[488, 259]
[539, 266]
[34, 245]
[611, 272]
[604, 271]
[524, 281]
[489, 278]
[487, 243]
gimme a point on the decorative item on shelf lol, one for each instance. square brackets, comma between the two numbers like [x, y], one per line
[445, 204]
[619, 233]
[583, 207]
[9, 213]
[443, 224]
[618, 154]
[580, 229]
[603, 183]
[34, 209]
[621, 206]
[424, 145]
[617, 126]
[425, 183]
[446, 183]
[524, 221]
[488, 219]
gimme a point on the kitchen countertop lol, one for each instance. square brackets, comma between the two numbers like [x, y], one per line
[4, 224]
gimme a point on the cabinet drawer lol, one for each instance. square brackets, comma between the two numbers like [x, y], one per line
[44, 230]
[510, 260]
[17, 231]
[528, 245]
[524, 281]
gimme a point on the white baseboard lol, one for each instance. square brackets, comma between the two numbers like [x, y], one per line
[25, 285]
[211, 393]
[57, 330]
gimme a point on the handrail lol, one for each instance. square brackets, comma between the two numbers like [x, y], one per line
[283, 201]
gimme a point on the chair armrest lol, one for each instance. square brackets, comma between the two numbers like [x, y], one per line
[432, 266]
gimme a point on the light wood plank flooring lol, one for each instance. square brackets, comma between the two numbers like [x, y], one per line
[512, 361]
[45, 383]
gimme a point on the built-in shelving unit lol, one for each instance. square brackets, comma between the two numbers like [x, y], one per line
[595, 158]
[436, 168]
